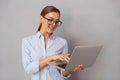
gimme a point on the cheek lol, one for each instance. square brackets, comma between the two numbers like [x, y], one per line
[44, 24]
[56, 27]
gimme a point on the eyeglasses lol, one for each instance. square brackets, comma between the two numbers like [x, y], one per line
[51, 21]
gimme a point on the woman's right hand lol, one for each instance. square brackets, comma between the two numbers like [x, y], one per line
[62, 57]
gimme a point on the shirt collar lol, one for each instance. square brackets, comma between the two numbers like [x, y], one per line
[39, 35]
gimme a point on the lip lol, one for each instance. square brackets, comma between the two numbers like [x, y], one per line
[51, 28]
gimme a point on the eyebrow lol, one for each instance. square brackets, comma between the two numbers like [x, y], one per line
[52, 18]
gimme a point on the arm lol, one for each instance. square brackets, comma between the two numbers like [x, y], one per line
[29, 64]
[43, 62]
[32, 66]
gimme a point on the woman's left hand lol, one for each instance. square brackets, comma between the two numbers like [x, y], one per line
[75, 69]
[78, 68]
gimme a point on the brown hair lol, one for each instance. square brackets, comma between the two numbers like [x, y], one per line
[47, 10]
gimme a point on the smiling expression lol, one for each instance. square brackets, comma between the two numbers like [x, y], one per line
[50, 22]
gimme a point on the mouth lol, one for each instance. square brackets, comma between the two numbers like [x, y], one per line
[51, 28]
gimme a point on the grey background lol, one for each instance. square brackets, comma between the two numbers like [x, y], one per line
[85, 22]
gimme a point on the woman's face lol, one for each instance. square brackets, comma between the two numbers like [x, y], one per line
[50, 22]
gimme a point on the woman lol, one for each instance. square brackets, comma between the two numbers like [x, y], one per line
[39, 49]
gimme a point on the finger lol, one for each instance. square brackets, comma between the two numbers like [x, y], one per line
[65, 58]
[68, 58]
[82, 67]
[78, 68]
[67, 55]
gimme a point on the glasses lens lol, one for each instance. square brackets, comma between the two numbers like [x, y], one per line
[51, 21]
[60, 23]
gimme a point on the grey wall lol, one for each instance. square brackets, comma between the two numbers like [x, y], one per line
[85, 22]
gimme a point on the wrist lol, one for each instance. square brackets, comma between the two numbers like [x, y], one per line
[50, 58]
[68, 72]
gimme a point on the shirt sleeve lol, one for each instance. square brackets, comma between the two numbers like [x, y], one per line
[65, 77]
[29, 65]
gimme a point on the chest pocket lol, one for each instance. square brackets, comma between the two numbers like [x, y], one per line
[36, 53]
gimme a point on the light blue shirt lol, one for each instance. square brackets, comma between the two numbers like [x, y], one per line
[33, 50]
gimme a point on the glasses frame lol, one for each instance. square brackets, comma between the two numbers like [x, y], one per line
[51, 21]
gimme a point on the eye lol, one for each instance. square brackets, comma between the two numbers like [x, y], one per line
[50, 20]
[56, 21]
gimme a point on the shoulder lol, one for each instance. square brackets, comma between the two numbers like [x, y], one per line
[29, 39]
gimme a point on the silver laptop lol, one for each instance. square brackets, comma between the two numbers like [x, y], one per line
[85, 55]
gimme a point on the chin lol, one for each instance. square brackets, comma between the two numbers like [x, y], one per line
[50, 32]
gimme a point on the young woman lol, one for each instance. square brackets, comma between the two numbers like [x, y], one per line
[44, 46]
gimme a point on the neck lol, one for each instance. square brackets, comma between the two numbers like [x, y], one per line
[46, 37]
[45, 34]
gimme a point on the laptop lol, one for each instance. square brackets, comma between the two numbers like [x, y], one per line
[85, 55]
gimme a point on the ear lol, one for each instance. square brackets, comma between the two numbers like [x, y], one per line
[41, 18]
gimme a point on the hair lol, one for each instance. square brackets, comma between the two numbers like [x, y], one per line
[47, 10]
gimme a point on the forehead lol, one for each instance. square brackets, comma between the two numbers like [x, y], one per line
[54, 15]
